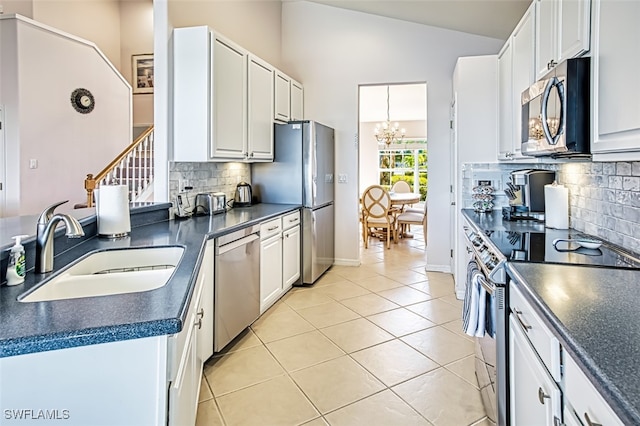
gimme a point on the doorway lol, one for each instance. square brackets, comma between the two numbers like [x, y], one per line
[385, 161]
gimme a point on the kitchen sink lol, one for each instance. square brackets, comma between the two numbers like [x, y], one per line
[110, 272]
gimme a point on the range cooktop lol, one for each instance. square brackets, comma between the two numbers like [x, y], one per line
[538, 247]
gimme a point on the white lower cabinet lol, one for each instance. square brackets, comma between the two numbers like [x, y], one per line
[190, 348]
[290, 256]
[204, 314]
[183, 390]
[537, 378]
[116, 383]
[147, 381]
[270, 263]
[569, 417]
[535, 397]
[582, 398]
[279, 257]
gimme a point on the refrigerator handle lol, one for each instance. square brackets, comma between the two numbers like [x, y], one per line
[314, 166]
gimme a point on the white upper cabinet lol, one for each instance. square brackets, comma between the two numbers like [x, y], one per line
[505, 102]
[616, 86]
[515, 74]
[229, 115]
[297, 101]
[191, 94]
[562, 32]
[282, 101]
[226, 99]
[260, 106]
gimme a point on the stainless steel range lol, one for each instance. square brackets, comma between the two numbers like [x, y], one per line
[491, 350]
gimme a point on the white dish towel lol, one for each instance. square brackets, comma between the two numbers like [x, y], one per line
[475, 302]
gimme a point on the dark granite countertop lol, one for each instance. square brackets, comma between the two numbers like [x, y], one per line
[594, 313]
[492, 221]
[42, 326]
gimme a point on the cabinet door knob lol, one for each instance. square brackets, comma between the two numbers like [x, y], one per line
[589, 422]
[542, 396]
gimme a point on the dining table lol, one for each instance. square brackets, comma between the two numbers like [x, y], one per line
[401, 199]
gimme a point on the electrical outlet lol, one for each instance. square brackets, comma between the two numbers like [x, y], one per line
[183, 184]
[342, 178]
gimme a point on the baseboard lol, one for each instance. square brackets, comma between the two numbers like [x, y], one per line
[438, 268]
[460, 294]
[347, 262]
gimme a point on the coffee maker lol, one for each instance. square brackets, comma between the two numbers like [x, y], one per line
[525, 191]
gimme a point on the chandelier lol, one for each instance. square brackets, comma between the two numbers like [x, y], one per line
[385, 132]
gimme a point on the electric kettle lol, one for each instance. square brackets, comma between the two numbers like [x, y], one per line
[243, 195]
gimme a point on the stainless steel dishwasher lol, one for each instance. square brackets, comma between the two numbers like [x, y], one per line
[237, 284]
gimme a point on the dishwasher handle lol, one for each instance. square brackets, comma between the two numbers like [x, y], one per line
[237, 243]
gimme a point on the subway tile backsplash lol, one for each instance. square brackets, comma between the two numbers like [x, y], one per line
[604, 198]
[207, 177]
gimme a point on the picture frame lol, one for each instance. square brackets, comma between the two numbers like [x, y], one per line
[142, 73]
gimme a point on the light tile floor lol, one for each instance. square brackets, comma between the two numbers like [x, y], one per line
[378, 344]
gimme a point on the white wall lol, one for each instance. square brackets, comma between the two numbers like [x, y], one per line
[42, 125]
[21, 7]
[136, 38]
[332, 51]
[119, 28]
[95, 20]
[254, 25]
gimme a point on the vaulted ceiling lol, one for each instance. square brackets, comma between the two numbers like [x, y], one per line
[489, 18]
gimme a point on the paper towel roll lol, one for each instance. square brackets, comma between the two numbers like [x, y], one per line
[112, 210]
[556, 206]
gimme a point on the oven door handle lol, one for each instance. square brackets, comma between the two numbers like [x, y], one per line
[490, 289]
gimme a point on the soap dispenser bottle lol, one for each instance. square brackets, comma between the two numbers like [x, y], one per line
[17, 270]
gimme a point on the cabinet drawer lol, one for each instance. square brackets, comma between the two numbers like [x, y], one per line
[273, 227]
[541, 338]
[290, 220]
[584, 398]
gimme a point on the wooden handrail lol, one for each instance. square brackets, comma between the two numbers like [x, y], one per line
[91, 182]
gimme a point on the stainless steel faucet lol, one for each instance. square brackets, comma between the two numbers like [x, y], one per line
[47, 223]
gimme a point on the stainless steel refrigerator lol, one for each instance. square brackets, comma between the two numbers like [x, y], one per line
[302, 173]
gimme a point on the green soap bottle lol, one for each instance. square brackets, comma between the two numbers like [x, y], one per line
[17, 269]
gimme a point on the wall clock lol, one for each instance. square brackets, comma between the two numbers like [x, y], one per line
[82, 101]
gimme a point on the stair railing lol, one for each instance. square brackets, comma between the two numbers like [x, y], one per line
[132, 167]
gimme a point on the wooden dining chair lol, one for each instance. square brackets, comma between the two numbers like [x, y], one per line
[401, 186]
[376, 204]
[412, 218]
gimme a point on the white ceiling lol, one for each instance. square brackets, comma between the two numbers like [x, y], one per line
[489, 18]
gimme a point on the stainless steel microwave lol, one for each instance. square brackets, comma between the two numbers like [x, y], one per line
[556, 111]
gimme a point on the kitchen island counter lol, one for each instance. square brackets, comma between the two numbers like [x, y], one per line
[43, 326]
[594, 313]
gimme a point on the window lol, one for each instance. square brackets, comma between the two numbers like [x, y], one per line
[404, 162]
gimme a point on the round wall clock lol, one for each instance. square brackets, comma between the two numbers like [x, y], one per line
[82, 101]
